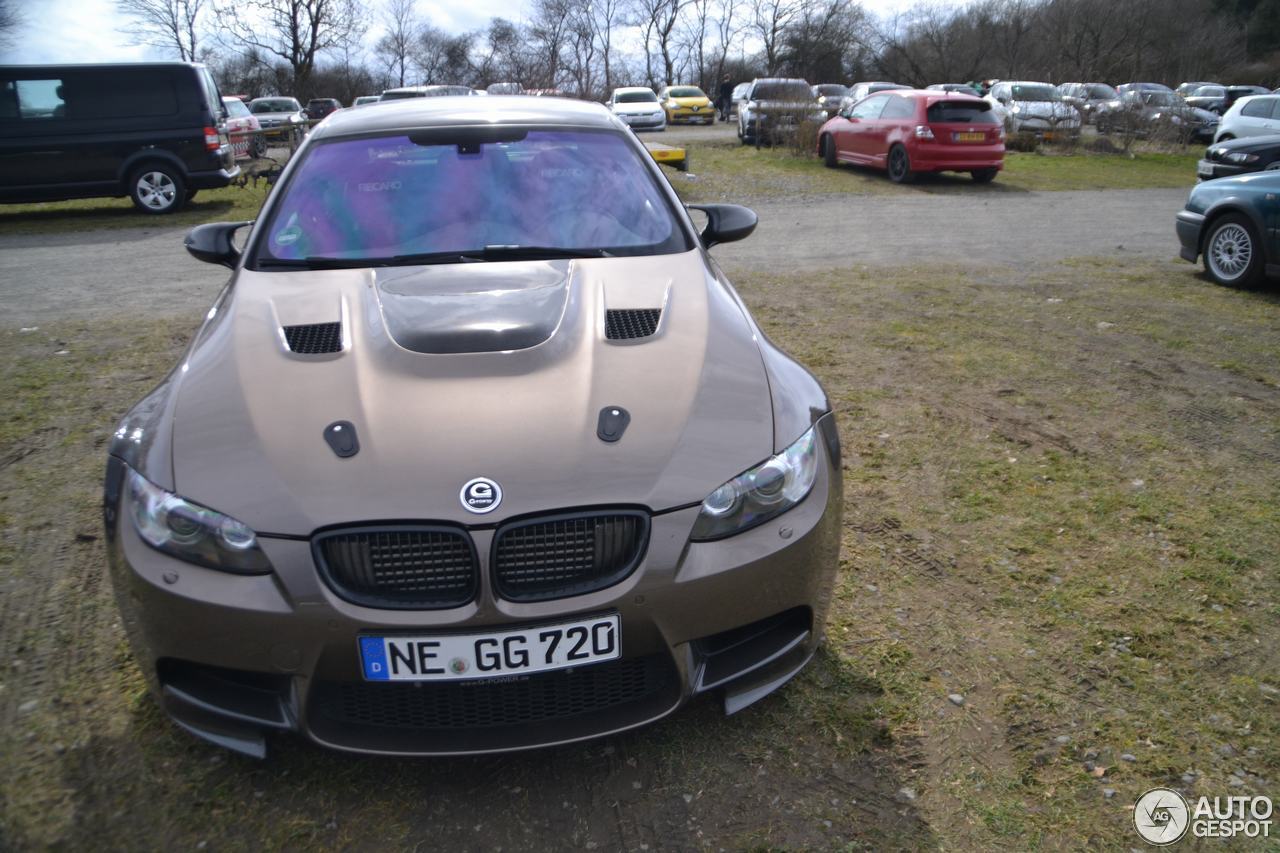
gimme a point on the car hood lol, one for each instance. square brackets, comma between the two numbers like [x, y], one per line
[1249, 143]
[454, 372]
[700, 101]
[643, 108]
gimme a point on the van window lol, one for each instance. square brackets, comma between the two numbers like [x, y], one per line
[121, 94]
[212, 97]
[40, 99]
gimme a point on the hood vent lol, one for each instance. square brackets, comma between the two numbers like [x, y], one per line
[628, 323]
[314, 338]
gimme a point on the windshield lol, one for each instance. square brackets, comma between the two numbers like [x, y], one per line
[275, 105]
[637, 97]
[685, 92]
[782, 91]
[1036, 93]
[388, 199]
[832, 90]
[235, 107]
[1103, 92]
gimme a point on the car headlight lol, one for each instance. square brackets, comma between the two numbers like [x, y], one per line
[1240, 157]
[765, 491]
[191, 532]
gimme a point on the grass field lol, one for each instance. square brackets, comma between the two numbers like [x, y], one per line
[724, 171]
[1062, 503]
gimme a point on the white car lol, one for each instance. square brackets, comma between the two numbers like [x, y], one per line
[1029, 107]
[1255, 116]
[638, 107]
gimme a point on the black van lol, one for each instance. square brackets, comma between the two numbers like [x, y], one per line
[152, 131]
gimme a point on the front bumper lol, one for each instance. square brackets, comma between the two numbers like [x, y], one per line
[1189, 226]
[644, 122]
[691, 114]
[231, 658]
[1209, 169]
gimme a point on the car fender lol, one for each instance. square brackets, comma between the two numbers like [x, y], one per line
[149, 153]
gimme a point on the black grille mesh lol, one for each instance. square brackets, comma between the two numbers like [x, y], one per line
[567, 555]
[622, 324]
[400, 567]
[485, 704]
[314, 338]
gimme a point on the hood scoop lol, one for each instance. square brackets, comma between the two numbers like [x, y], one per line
[314, 338]
[622, 324]
[480, 308]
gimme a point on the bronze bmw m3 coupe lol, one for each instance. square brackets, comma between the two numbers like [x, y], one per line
[477, 450]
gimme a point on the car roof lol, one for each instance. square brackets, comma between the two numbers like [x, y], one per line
[633, 89]
[454, 110]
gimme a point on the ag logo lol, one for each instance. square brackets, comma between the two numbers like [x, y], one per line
[481, 495]
[1161, 816]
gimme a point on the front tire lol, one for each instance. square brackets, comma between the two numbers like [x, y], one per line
[1232, 252]
[157, 189]
[829, 153]
[984, 176]
[900, 166]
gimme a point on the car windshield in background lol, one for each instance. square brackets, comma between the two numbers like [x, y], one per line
[685, 92]
[1103, 93]
[961, 112]
[451, 197]
[236, 108]
[275, 105]
[1036, 93]
[637, 97]
[1209, 92]
[1161, 99]
[797, 92]
[833, 90]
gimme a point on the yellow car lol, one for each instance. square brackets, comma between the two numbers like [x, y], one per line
[687, 103]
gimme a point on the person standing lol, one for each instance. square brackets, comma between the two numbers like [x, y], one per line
[726, 96]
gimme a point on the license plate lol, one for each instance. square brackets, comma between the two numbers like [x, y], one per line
[1205, 169]
[466, 657]
[971, 136]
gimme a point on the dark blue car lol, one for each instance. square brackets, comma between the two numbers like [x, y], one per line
[1235, 224]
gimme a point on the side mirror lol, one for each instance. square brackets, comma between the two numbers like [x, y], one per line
[726, 223]
[213, 244]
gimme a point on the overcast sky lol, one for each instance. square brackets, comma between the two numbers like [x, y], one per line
[91, 31]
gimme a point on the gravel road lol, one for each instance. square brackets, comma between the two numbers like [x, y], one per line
[84, 275]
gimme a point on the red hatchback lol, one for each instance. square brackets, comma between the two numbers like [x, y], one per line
[908, 132]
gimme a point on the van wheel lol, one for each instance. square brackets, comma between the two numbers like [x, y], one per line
[157, 188]
[900, 166]
[829, 153]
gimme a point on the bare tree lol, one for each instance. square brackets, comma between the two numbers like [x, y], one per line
[297, 31]
[547, 34]
[441, 57]
[769, 22]
[728, 29]
[658, 18]
[170, 25]
[604, 16]
[396, 45]
[11, 21]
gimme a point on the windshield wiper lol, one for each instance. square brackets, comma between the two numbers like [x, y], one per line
[312, 263]
[496, 253]
[468, 256]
